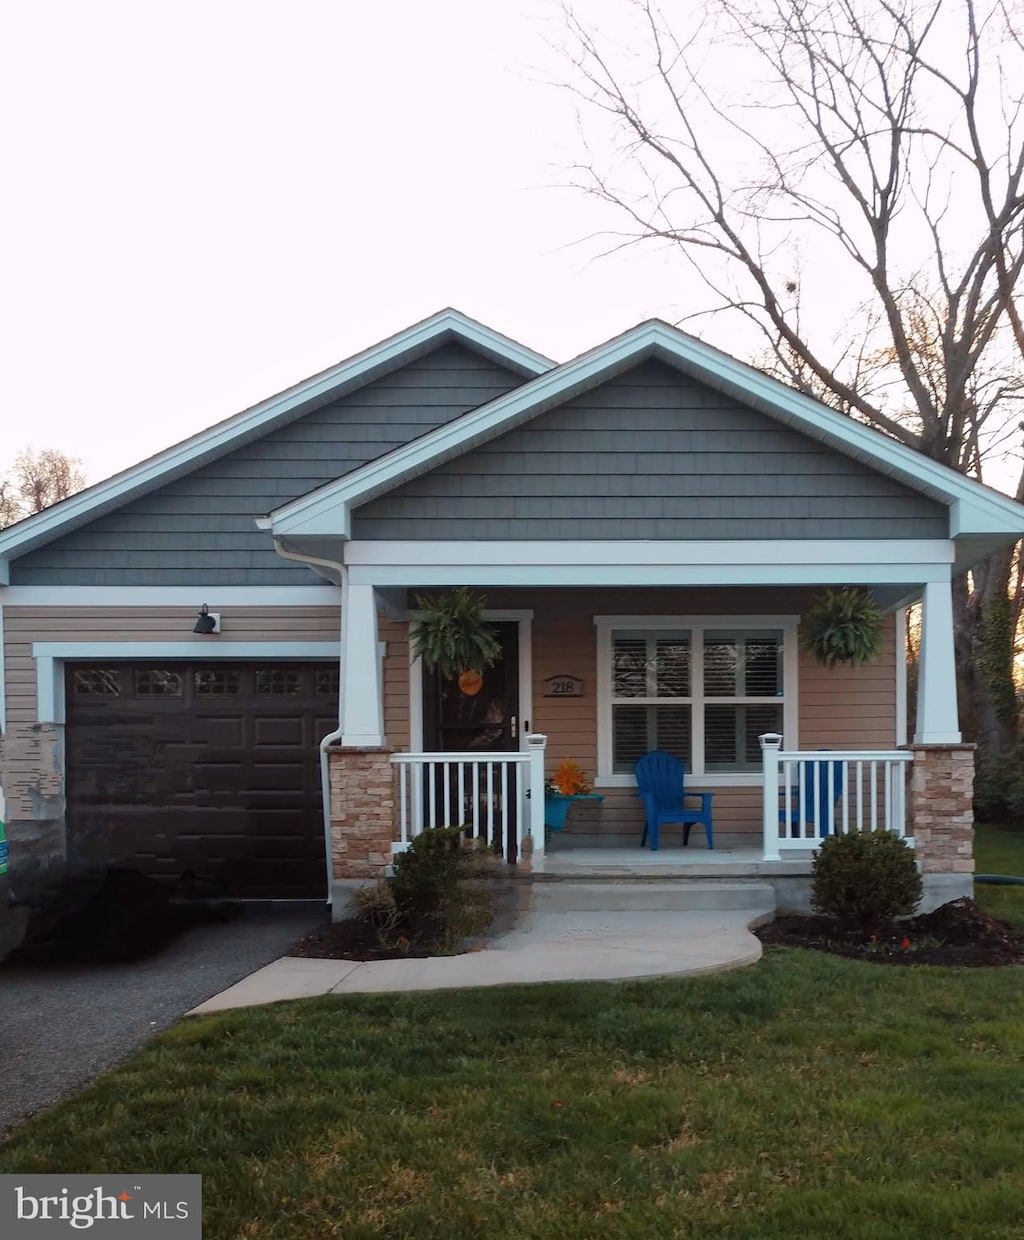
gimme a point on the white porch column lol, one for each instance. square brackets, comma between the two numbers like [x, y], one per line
[771, 743]
[362, 700]
[536, 743]
[937, 721]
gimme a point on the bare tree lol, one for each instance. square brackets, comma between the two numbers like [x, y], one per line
[10, 503]
[882, 140]
[37, 480]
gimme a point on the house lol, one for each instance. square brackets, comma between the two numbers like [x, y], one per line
[648, 521]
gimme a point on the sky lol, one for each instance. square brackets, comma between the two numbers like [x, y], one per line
[208, 202]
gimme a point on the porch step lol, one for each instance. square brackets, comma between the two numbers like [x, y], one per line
[681, 895]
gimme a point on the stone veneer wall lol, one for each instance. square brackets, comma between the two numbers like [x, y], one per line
[941, 813]
[362, 813]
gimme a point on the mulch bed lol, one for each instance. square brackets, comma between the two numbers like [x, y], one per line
[958, 933]
[356, 939]
[353, 940]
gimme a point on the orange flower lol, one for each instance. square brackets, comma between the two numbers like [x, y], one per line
[570, 779]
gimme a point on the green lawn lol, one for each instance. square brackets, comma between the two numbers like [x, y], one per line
[1000, 850]
[808, 1097]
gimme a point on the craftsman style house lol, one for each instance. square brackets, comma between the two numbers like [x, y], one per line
[649, 523]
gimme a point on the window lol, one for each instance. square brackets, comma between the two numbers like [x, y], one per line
[158, 682]
[702, 689]
[651, 703]
[212, 683]
[276, 681]
[95, 682]
[328, 684]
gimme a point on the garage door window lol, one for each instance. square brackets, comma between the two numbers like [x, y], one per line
[328, 683]
[210, 684]
[159, 682]
[95, 682]
[276, 682]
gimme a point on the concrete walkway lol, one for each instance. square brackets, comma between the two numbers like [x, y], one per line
[546, 947]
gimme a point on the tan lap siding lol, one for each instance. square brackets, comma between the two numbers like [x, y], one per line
[395, 634]
[850, 708]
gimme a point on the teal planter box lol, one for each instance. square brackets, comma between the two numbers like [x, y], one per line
[556, 807]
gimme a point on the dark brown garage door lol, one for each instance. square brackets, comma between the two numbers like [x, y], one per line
[205, 768]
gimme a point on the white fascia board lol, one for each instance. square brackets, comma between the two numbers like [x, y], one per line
[743, 382]
[208, 444]
[756, 573]
[329, 520]
[216, 597]
[365, 552]
[978, 515]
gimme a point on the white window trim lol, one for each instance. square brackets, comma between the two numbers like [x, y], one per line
[790, 705]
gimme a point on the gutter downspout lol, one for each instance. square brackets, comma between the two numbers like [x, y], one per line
[331, 737]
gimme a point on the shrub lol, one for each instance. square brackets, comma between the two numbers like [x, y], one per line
[865, 879]
[439, 889]
[376, 906]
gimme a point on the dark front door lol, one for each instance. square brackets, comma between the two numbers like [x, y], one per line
[476, 715]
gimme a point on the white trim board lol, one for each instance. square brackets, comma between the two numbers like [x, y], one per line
[755, 573]
[559, 552]
[183, 457]
[223, 597]
[802, 562]
[50, 656]
[974, 508]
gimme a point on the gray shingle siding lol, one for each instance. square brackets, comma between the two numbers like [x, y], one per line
[652, 454]
[199, 529]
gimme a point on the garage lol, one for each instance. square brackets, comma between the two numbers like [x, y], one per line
[209, 771]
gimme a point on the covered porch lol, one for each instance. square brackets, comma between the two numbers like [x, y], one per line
[566, 632]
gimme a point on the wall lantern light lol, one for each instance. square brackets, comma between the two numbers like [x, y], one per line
[207, 621]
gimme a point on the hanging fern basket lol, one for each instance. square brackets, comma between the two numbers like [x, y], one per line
[452, 637]
[843, 627]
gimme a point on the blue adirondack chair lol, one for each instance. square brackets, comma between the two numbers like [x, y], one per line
[814, 805]
[660, 782]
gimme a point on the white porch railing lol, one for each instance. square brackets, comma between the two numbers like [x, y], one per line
[499, 797]
[810, 794]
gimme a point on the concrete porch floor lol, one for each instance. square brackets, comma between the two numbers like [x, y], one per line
[668, 863]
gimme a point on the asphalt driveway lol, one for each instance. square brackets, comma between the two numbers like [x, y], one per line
[62, 1025]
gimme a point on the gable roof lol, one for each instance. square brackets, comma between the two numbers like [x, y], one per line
[448, 326]
[976, 511]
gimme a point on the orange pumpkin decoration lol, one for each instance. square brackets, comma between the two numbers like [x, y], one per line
[470, 683]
